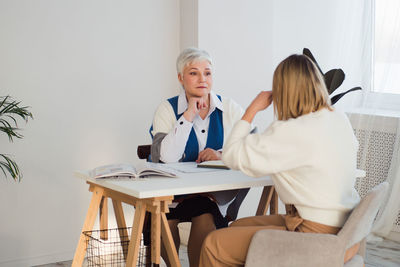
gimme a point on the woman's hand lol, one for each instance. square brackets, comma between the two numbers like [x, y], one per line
[195, 104]
[208, 154]
[261, 102]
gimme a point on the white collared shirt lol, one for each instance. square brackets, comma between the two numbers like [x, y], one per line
[178, 131]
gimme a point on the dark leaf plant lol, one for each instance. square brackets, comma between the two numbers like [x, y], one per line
[333, 79]
[10, 110]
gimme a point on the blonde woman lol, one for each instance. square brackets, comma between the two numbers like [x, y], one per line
[310, 151]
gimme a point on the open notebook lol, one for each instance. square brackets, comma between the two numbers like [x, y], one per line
[129, 171]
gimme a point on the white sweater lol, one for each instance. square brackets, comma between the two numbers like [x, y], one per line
[311, 159]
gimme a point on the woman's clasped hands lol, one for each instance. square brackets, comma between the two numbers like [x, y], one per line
[195, 105]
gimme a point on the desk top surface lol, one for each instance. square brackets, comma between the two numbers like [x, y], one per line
[186, 183]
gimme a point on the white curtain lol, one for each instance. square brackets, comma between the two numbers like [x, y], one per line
[375, 113]
[379, 152]
[388, 224]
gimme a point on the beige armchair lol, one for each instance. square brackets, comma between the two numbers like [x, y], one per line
[280, 248]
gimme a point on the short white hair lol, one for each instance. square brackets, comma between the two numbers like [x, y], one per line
[190, 55]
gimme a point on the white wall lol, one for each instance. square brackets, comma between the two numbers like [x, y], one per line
[93, 73]
[189, 23]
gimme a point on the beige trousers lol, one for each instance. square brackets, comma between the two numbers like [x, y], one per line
[228, 246]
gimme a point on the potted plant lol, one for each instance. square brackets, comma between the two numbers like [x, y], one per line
[333, 78]
[10, 110]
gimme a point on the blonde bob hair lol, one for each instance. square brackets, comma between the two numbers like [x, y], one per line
[298, 88]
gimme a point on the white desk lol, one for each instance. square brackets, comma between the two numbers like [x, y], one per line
[154, 195]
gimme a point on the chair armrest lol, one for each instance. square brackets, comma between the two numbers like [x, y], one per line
[283, 248]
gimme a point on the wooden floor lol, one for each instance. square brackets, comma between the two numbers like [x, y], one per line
[379, 254]
[383, 254]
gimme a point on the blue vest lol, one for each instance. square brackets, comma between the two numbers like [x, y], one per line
[215, 137]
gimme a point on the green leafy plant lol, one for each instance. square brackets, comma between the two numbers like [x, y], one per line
[10, 110]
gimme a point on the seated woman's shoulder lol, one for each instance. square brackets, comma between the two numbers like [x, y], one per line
[164, 108]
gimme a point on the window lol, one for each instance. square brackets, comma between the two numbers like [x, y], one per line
[386, 67]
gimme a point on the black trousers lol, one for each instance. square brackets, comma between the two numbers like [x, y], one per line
[189, 206]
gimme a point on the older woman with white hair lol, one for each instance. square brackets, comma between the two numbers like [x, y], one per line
[192, 127]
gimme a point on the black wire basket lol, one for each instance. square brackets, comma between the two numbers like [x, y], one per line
[109, 248]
